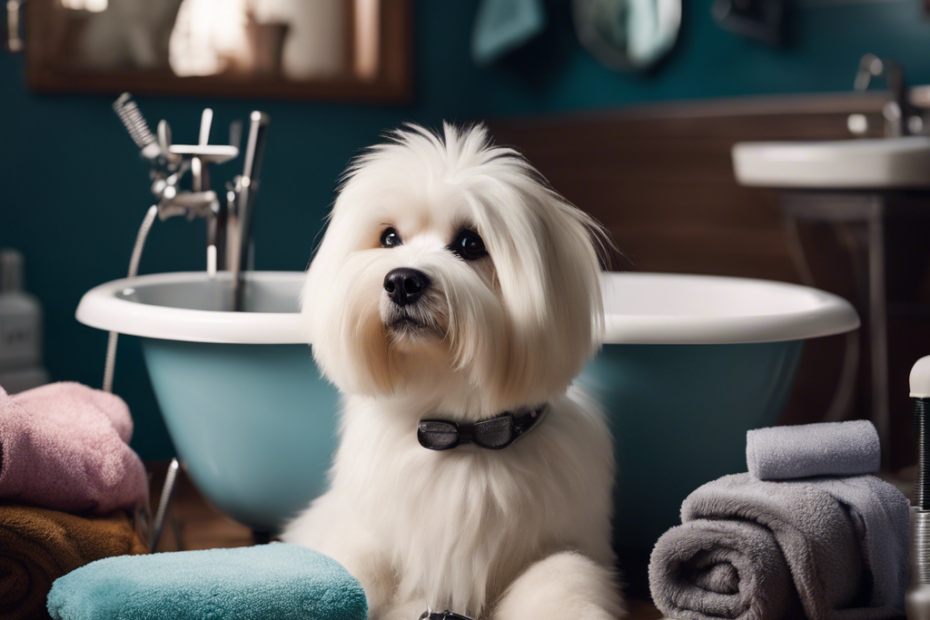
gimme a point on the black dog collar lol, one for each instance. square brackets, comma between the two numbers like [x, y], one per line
[442, 615]
[494, 433]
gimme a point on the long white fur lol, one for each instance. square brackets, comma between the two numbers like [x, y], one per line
[520, 533]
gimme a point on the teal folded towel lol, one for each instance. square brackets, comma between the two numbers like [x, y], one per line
[274, 582]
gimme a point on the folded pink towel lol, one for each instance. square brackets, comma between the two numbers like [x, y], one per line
[64, 446]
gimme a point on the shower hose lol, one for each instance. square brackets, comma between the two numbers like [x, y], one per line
[142, 235]
[108, 369]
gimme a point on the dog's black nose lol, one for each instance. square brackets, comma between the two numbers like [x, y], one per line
[404, 286]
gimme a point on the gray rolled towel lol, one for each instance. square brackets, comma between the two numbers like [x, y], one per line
[722, 569]
[829, 449]
[755, 550]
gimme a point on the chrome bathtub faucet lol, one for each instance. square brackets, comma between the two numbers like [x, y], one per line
[229, 219]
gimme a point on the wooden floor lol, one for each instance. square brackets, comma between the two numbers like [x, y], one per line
[201, 526]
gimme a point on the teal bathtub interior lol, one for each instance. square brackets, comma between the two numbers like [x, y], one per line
[679, 416]
[689, 365]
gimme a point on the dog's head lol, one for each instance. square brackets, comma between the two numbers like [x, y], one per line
[449, 266]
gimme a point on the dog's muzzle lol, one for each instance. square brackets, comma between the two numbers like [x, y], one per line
[405, 286]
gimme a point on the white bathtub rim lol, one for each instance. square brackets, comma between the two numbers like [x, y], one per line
[830, 315]
[102, 308]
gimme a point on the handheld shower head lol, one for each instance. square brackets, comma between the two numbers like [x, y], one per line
[132, 119]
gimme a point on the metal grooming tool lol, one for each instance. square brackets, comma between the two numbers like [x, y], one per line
[917, 597]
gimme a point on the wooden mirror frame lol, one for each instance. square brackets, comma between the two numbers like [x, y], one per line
[393, 81]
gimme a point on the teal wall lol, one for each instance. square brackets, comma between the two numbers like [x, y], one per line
[72, 192]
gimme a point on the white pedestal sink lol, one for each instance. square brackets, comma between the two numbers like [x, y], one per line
[880, 163]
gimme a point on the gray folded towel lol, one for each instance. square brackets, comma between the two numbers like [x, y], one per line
[757, 550]
[830, 449]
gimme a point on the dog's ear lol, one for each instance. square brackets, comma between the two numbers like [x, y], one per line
[548, 256]
[579, 250]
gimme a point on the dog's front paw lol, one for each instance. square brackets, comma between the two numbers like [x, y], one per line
[563, 586]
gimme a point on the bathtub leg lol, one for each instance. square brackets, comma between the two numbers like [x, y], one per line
[164, 502]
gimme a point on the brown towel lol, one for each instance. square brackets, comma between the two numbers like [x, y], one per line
[37, 546]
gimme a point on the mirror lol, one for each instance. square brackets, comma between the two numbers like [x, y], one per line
[628, 35]
[356, 50]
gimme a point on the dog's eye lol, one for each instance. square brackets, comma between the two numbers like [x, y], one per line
[469, 245]
[390, 238]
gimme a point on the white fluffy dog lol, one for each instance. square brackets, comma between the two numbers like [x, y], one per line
[453, 284]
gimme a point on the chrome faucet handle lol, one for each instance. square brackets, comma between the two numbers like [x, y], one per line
[200, 169]
[164, 142]
[901, 118]
[173, 202]
[207, 153]
[195, 204]
[869, 66]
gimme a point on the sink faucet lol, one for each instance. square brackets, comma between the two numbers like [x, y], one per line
[229, 221]
[901, 117]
